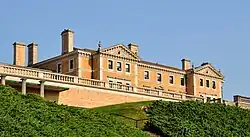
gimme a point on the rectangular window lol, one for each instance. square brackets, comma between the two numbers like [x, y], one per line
[127, 67]
[214, 85]
[207, 83]
[128, 86]
[182, 81]
[110, 64]
[146, 75]
[120, 85]
[159, 77]
[171, 79]
[71, 65]
[119, 66]
[59, 68]
[201, 82]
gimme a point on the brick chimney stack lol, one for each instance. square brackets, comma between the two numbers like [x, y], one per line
[32, 53]
[67, 41]
[133, 47]
[186, 64]
[19, 54]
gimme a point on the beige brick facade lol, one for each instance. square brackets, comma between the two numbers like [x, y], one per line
[94, 64]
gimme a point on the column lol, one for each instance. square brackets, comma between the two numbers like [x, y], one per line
[23, 86]
[101, 67]
[3, 80]
[42, 88]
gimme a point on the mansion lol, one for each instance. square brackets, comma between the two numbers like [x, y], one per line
[116, 68]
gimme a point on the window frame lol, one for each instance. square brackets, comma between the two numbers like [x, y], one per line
[207, 83]
[201, 80]
[120, 66]
[129, 67]
[148, 73]
[109, 60]
[184, 81]
[214, 84]
[170, 79]
[159, 74]
[71, 69]
[58, 67]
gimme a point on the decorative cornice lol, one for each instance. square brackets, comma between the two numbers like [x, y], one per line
[161, 68]
[117, 57]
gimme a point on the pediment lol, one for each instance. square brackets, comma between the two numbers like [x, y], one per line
[120, 50]
[209, 70]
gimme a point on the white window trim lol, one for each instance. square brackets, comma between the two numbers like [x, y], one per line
[71, 70]
[157, 77]
[113, 65]
[57, 67]
[169, 80]
[116, 66]
[129, 68]
[148, 75]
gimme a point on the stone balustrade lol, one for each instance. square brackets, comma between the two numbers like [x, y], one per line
[43, 75]
[120, 87]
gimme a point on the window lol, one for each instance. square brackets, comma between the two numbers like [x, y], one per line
[171, 79]
[159, 77]
[59, 68]
[201, 82]
[182, 81]
[119, 85]
[214, 85]
[71, 65]
[119, 66]
[127, 67]
[110, 64]
[127, 86]
[110, 84]
[146, 75]
[207, 83]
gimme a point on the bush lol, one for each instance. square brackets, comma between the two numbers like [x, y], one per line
[30, 115]
[197, 119]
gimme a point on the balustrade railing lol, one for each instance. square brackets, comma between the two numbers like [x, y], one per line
[120, 87]
[50, 76]
[91, 82]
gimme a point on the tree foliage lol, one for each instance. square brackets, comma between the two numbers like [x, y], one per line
[30, 115]
[197, 119]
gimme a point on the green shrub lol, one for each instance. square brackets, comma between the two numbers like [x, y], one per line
[197, 119]
[30, 115]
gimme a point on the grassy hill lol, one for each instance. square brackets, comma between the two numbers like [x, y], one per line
[197, 119]
[30, 115]
[127, 112]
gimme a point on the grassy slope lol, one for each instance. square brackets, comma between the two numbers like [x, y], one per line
[128, 110]
[197, 119]
[30, 115]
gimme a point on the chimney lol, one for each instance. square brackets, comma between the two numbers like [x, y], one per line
[133, 47]
[67, 41]
[186, 64]
[32, 53]
[19, 54]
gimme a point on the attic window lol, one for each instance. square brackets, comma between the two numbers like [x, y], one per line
[207, 72]
[119, 52]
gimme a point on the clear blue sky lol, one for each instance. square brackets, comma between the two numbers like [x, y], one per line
[215, 31]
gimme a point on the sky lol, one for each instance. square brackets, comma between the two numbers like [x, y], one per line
[214, 31]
